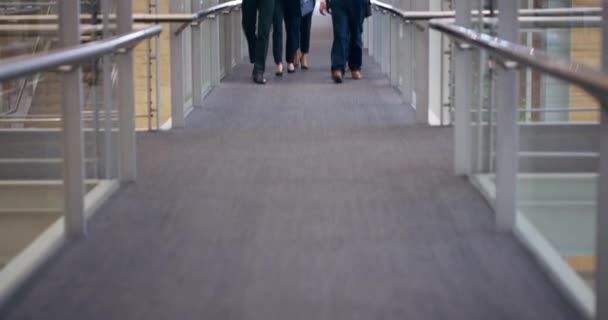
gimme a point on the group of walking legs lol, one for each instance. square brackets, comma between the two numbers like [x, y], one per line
[259, 16]
[297, 28]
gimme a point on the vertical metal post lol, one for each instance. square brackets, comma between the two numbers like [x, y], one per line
[421, 95]
[507, 99]
[405, 52]
[73, 139]
[177, 70]
[215, 49]
[197, 59]
[386, 44]
[126, 97]
[108, 100]
[482, 131]
[601, 272]
[463, 91]
[206, 54]
[392, 54]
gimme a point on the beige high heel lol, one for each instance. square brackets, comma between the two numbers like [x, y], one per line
[304, 61]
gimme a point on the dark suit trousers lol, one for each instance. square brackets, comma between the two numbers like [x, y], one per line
[257, 13]
[305, 32]
[347, 18]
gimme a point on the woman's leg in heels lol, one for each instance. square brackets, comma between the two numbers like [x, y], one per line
[305, 26]
[292, 26]
[277, 36]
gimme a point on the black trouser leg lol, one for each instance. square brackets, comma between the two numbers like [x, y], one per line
[277, 32]
[292, 26]
[355, 41]
[249, 13]
[339, 18]
[266, 13]
[305, 27]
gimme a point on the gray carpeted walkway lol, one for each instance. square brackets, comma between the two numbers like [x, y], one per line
[297, 200]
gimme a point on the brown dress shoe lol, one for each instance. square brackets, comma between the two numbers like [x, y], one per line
[357, 75]
[336, 75]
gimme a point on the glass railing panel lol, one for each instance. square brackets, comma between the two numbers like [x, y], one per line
[100, 123]
[31, 192]
[544, 99]
[557, 179]
[405, 60]
[483, 114]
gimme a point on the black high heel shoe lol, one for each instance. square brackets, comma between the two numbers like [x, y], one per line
[291, 70]
[279, 73]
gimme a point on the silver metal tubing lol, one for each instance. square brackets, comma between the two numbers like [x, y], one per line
[429, 15]
[203, 14]
[591, 80]
[19, 67]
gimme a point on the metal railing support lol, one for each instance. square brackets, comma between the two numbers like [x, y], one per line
[108, 99]
[197, 59]
[421, 92]
[73, 138]
[507, 101]
[463, 92]
[126, 97]
[215, 49]
[178, 116]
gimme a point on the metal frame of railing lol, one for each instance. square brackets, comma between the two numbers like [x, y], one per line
[511, 57]
[429, 15]
[18, 10]
[179, 22]
[514, 54]
[20, 67]
[67, 62]
[592, 80]
[225, 7]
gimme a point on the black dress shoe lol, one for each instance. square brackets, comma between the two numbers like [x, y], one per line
[258, 77]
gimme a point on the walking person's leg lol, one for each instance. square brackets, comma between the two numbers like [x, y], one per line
[265, 15]
[277, 37]
[249, 12]
[292, 26]
[355, 47]
[339, 18]
[305, 28]
[347, 68]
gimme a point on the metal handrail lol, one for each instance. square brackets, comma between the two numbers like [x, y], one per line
[515, 54]
[206, 13]
[7, 11]
[429, 15]
[19, 67]
[186, 19]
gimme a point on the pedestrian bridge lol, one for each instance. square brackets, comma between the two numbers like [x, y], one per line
[302, 198]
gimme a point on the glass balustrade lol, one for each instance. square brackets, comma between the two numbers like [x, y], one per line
[558, 146]
[31, 135]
